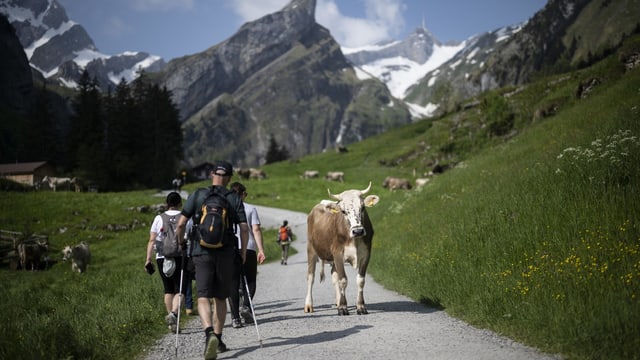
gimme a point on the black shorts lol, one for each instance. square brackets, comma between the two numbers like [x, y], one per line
[214, 273]
[172, 284]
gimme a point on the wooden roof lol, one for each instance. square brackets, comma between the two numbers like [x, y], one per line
[21, 168]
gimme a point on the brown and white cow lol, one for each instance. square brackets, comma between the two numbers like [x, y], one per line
[243, 173]
[335, 176]
[77, 184]
[340, 232]
[258, 174]
[394, 183]
[32, 254]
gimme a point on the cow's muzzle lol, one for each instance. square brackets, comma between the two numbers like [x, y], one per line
[358, 231]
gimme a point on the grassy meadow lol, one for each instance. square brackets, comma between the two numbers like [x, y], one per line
[534, 234]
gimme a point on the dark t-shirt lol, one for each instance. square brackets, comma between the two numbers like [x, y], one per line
[236, 212]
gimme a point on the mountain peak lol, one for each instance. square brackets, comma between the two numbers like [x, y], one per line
[307, 7]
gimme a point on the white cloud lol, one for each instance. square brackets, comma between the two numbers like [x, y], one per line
[161, 5]
[381, 19]
[249, 10]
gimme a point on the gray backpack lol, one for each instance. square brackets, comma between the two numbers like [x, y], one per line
[170, 245]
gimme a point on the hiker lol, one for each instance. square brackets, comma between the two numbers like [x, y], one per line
[284, 239]
[170, 277]
[177, 184]
[249, 270]
[189, 269]
[214, 261]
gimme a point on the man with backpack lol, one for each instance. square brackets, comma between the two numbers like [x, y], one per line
[216, 211]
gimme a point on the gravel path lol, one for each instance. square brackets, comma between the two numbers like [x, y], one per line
[395, 328]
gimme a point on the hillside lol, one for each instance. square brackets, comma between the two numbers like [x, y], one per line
[534, 233]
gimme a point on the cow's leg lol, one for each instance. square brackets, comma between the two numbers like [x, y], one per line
[339, 278]
[363, 263]
[312, 259]
[360, 308]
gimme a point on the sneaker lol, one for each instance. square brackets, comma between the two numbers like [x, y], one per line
[189, 312]
[236, 323]
[246, 315]
[211, 347]
[172, 322]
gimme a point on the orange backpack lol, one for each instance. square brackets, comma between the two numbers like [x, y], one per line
[283, 234]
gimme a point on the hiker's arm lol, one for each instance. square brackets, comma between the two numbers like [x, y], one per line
[152, 241]
[180, 229]
[257, 236]
[244, 239]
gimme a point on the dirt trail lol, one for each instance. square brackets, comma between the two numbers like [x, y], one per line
[395, 328]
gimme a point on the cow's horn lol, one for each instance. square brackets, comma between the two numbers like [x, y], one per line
[367, 189]
[337, 197]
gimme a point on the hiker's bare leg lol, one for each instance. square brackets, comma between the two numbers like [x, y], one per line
[204, 310]
[220, 314]
[168, 302]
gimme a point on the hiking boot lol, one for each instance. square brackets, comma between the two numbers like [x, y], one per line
[172, 321]
[221, 346]
[246, 315]
[189, 312]
[211, 347]
[236, 323]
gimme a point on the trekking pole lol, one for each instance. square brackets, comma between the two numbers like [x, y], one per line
[253, 312]
[179, 303]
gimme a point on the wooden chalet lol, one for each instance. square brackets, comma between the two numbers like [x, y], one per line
[29, 173]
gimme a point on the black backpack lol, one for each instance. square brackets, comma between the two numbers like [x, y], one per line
[212, 220]
[170, 245]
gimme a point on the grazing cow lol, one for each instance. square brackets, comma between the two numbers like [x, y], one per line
[53, 182]
[311, 174]
[31, 254]
[77, 184]
[394, 183]
[340, 232]
[257, 174]
[335, 176]
[243, 173]
[80, 256]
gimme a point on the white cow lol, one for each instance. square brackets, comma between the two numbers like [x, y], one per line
[311, 174]
[335, 176]
[80, 256]
[53, 182]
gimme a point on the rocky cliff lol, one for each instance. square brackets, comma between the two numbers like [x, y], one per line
[282, 75]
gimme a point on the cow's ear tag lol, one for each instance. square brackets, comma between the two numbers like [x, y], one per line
[334, 211]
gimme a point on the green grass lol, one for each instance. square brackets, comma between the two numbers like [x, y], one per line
[542, 248]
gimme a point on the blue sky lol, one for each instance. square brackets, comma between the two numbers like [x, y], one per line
[173, 28]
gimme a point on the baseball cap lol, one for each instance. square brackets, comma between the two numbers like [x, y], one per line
[222, 168]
